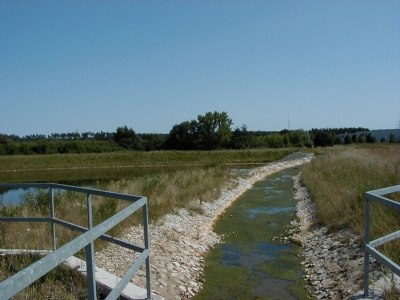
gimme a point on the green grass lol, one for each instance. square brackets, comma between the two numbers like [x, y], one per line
[139, 158]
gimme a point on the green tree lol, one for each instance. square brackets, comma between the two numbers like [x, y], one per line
[370, 139]
[392, 138]
[3, 145]
[299, 138]
[127, 138]
[182, 136]
[323, 139]
[208, 132]
[348, 139]
[361, 138]
[241, 138]
[260, 141]
[337, 140]
[286, 140]
[353, 138]
[213, 130]
[152, 142]
[275, 140]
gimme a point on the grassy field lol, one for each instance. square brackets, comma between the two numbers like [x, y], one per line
[140, 158]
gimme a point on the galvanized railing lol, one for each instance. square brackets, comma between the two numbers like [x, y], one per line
[24, 278]
[370, 246]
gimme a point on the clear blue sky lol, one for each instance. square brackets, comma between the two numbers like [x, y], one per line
[97, 65]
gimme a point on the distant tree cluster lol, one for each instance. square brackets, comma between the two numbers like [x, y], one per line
[208, 132]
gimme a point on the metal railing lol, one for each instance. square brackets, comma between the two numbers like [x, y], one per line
[370, 246]
[27, 276]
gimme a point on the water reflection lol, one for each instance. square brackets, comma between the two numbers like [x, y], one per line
[269, 210]
[260, 253]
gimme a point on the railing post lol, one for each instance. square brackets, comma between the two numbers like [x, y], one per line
[146, 246]
[52, 215]
[366, 242]
[89, 249]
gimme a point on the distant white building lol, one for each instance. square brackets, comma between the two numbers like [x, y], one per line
[380, 134]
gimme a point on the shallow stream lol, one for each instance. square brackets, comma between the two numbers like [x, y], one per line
[254, 262]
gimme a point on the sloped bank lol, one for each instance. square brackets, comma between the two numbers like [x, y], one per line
[178, 241]
[333, 261]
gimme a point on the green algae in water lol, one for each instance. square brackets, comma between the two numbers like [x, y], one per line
[245, 265]
[232, 280]
[287, 268]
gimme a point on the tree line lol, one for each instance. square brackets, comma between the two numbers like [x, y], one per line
[211, 131]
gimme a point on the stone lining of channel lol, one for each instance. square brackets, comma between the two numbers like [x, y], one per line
[334, 262]
[179, 241]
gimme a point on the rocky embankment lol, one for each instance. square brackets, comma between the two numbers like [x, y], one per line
[333, 262]
[179, 241]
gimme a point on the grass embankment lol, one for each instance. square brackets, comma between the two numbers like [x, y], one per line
[338, 180]
[165, 191]
[140, 158]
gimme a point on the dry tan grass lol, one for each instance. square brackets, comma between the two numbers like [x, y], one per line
[338, 181]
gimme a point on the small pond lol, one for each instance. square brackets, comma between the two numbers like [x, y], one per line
[77, 177]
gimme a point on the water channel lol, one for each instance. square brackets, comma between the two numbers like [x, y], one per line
[253, 262]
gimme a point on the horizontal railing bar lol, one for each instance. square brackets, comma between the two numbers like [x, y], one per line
[22, 279]
[385, 191]
[384, 201]
[97, 192]
[383, 259]
[24, 219]
[72, 188]
[385, 239]
[104, 237]
[117, 290]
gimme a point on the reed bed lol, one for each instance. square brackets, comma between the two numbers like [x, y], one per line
[338, 180]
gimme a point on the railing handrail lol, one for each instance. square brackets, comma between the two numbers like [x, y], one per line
[370, 246]
[27, 276]
[72, 188]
